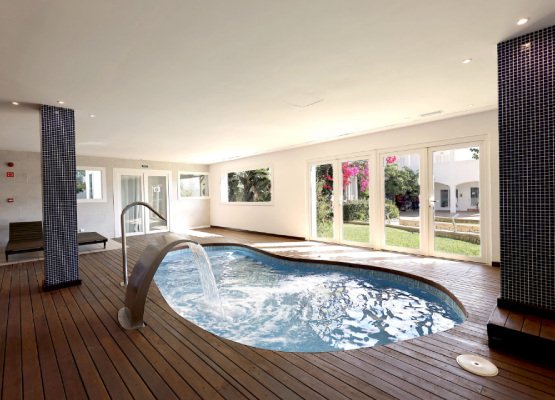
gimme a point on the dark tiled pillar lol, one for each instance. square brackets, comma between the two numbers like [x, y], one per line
[59, 203]
[527, 170]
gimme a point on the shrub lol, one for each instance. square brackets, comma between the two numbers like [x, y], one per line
[356, 210]
[391, 210]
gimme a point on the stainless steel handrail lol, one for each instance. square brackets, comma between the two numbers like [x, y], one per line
[123, 238]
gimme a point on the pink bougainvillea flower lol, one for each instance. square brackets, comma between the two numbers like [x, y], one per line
[391, 159]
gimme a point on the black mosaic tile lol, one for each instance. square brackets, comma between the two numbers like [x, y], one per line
[59, 203]
[527, 168]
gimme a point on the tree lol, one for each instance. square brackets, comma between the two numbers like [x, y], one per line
[400, 181]
[250, 186]
[475, 152]
[81, 185]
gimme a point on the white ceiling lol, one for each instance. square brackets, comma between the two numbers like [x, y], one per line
[204, 81]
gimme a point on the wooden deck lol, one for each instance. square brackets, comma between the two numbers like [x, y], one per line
[68, 344]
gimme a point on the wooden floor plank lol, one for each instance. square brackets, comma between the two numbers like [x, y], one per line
[73, 385]
[13, 378]
[89, 343]
[50, 373]
[5, 281]
[126, 371]
[199, 337]
[200, 383]
[532, 325]
[151, 376]
[155, 371]
[547, 330]
[68, 343]
[515, 321]
[32, 378]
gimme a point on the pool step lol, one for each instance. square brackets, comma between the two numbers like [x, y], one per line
[518, 331]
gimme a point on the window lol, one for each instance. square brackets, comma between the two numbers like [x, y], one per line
[474, 196]
[251, 186]
[193, 185]
[444, 194]
[90, 184]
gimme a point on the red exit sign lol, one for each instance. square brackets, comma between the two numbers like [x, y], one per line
[10, 174]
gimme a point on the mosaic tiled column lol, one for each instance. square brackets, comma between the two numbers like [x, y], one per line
[59, 202]
[526, 67]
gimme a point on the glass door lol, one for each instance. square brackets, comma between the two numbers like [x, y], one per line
[455, 202]
[401, 201]
[156, 191]
[355, 201]
[136, 185]
[131, 189]
[322, 201]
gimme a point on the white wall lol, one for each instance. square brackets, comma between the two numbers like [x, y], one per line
[288, 215]
[99, 217]
[25, 188]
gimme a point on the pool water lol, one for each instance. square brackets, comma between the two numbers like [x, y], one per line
[297, 306]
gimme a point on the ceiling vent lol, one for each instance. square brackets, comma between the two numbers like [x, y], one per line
[431, 114]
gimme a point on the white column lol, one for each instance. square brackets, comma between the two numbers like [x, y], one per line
[452, 199]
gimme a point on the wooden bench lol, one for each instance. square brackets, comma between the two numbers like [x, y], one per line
[26, 237]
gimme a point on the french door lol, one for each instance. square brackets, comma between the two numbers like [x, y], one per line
[456, 226]
[424, 201]
[137, 185]
[340, 200]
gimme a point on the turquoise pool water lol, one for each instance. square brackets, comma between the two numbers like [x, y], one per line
[297, 306]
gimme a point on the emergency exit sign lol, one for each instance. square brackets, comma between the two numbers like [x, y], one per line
[10, 174]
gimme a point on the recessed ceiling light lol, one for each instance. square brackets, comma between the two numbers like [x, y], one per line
[60, 102]
[467, 61]
[522, 21]
[470, 105]
[92, 115]
[15, 103]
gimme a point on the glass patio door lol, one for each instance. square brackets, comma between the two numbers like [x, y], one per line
[137, 185]
[401, 190]
[322, 201]
[156, 194]
[455, 202]
[355, 201]
[131, 190]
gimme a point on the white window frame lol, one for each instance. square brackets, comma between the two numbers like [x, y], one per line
[180, 197]
[224, 187]
[102, 170]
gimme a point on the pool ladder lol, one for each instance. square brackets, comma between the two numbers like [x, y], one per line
[131, 315]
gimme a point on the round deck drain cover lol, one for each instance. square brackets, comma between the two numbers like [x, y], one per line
[477, 365]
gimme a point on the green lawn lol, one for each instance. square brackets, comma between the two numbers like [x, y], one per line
[401, 238]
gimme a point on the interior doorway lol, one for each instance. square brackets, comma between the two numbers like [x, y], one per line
[150, 186]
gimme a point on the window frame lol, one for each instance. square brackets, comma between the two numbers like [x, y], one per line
[102, 170]
[224, 199]
[180, 197]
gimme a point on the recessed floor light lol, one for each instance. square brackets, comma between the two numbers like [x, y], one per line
[15, 103]
[60, 102]
[522, 21]
[467, 61]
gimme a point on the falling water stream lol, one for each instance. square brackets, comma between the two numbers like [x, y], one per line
[207, 280]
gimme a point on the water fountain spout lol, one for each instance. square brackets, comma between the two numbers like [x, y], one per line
[131, 316]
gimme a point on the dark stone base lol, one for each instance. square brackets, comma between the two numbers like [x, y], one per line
[50, 288]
